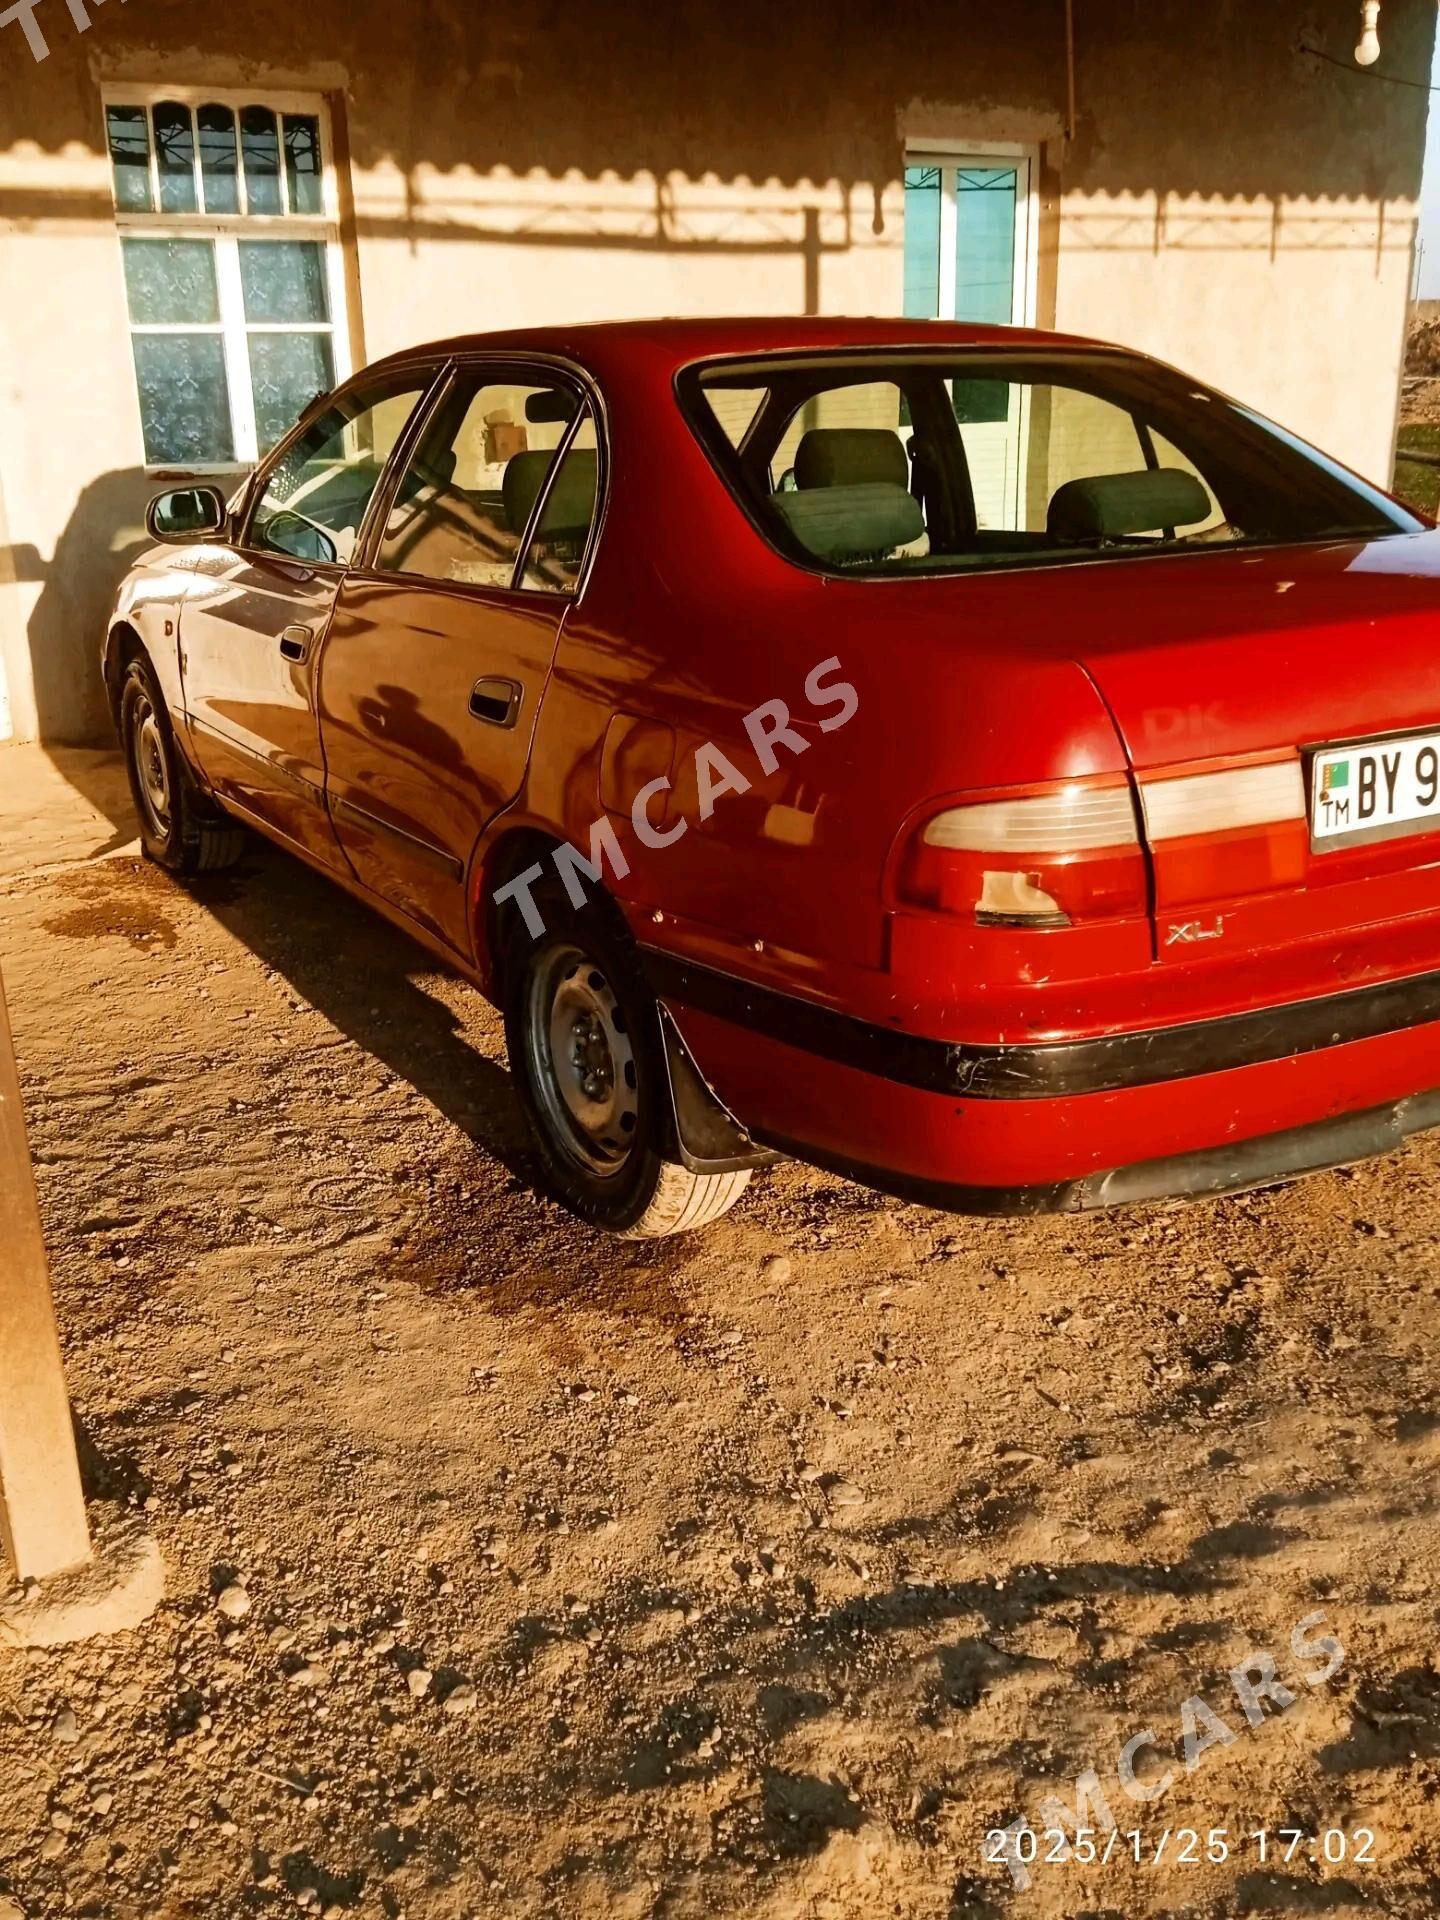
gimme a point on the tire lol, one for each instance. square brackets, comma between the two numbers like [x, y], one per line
[179, 829]
[586, 1052]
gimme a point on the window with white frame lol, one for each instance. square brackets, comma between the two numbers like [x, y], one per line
[233, 277]
[969, 222]
[967, 237]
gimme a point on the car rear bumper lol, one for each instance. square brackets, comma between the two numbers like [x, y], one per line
[1208, 1171]
[1208, 1107]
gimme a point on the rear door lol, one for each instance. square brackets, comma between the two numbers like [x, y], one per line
[442, 639]
[255, 616]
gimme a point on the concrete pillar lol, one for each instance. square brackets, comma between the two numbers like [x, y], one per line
[42, 1510]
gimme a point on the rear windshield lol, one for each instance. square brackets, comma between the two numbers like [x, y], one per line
[893, 463]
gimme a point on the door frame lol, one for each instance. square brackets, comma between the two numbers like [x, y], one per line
[483, 366]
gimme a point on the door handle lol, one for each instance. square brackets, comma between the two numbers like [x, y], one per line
[497, 701]
[295, 642]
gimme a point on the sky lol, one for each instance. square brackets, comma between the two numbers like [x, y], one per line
[1430, 196]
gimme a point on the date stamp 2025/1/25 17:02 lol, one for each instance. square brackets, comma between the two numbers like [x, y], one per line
[1179, 1846]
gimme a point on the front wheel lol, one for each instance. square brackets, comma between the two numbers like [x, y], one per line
[586, 1052]
[178, 829]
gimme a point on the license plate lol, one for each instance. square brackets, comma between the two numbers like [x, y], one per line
[1374, 790]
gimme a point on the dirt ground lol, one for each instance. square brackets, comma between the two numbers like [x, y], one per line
[759, 1573]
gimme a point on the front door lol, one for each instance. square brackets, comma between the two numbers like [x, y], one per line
[967, 257]
[440, 646]
[255, 616]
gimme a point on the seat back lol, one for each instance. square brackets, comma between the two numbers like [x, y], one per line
[571, 505]
[852, 523]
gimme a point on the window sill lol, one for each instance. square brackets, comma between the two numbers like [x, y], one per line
[170, 471]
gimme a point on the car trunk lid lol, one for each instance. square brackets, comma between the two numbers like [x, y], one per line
[1248, 665]
[1247, 653]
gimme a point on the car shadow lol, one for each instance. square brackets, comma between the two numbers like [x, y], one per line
[61, 806]
[366, 977]
[98, 775]
[101, 540]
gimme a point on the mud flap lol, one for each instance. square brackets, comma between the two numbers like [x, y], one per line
[705, 1136]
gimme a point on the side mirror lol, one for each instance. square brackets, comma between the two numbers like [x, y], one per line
[188, 513]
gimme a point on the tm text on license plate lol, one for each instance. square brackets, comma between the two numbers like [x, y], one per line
[1375, 790]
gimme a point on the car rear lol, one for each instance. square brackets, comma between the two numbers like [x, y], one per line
[1207, 958]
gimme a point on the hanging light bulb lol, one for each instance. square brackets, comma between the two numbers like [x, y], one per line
[1368, 51]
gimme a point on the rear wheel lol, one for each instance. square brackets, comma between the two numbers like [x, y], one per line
[179, 829]
[586, 1051]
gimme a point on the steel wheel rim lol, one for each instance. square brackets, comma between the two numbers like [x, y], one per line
[152, 769]
[582, 1061]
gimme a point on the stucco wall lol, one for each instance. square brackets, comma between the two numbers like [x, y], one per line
[1226, 202]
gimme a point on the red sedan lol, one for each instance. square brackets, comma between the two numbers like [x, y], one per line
[988, 764]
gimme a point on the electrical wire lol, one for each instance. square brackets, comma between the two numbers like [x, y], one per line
[1367, 73]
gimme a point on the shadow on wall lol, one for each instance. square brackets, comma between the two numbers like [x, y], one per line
[1187, 96]
[101, 539]
[729, 138]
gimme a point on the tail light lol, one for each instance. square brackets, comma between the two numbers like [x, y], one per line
[1221, 834]
[1053, 858]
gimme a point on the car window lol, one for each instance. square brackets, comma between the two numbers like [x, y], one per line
[1024, 440]
[735, 410]
[465, 501]
[927, 461]
[558, 547]
[1168, 454]
[313, 499]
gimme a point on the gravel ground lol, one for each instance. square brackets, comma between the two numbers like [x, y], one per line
[514, 1571]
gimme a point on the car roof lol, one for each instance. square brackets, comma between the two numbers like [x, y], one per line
[678, 342]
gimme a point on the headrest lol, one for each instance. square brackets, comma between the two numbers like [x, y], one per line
[1110, 505]
[571, 505]
[556, 403]
[851, 457]
[852, 523]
